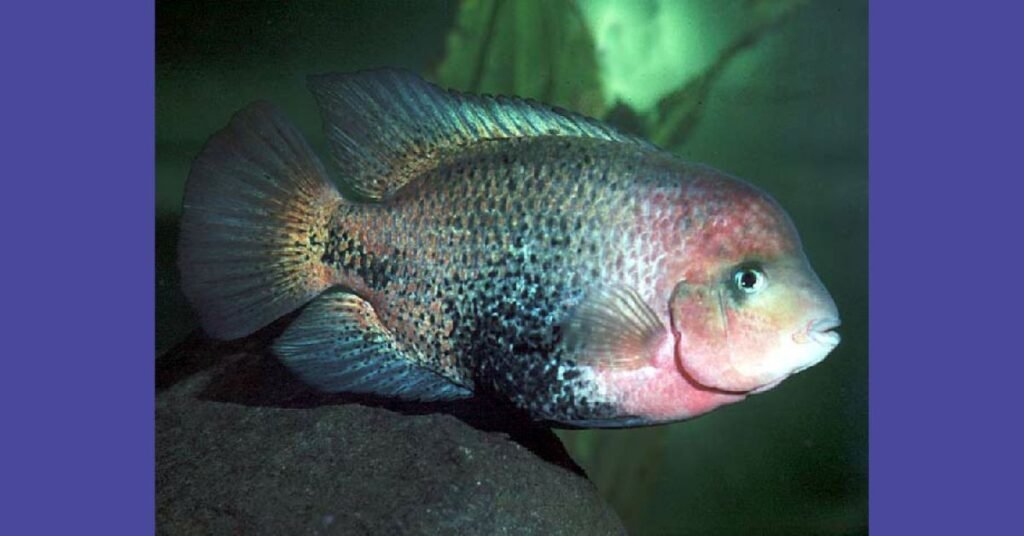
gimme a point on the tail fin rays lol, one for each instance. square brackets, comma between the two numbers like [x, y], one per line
[257, 205]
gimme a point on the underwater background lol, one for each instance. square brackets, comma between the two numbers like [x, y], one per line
[771, 91]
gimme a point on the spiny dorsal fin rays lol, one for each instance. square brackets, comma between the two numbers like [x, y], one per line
[383, 126]
[614, 326]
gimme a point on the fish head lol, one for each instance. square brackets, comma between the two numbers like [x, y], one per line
[748, 310]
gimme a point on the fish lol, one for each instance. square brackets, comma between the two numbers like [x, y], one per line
[480, 246]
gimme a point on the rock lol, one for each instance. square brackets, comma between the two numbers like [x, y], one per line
[244, 448]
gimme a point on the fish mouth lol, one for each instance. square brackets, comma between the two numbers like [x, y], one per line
[821, 331]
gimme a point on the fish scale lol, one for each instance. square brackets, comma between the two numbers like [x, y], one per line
[498, 248]
[527, 225]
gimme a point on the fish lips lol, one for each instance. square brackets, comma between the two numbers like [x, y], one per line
[820, 331]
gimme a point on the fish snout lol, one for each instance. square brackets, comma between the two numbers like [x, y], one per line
[821, 331]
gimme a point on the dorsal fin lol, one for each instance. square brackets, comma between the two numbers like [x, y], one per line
[383, 126]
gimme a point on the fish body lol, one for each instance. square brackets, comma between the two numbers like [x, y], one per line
[497, 246]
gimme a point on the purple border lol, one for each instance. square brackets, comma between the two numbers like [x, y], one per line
[77, 384]
[76, 387]
[945, 120]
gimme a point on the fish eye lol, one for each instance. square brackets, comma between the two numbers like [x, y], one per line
[749, 279]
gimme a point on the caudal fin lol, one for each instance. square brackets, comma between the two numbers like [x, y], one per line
[254, 224]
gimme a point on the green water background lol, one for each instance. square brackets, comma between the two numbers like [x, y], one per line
[788, 112]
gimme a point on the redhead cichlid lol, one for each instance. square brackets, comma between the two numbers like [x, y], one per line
[497, 246]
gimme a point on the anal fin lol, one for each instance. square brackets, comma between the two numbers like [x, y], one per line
[338, 344]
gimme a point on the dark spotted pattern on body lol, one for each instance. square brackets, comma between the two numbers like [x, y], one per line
[475, 264]
[498, 246]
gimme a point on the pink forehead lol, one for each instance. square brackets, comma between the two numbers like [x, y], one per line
[724, 219]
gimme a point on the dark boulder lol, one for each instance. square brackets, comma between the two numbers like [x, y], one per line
[243, 448]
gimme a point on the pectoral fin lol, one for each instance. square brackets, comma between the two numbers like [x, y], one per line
[338, 344]
[614, 326]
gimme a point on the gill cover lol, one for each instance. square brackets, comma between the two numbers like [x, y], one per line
[706, 348]
[700, 322]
